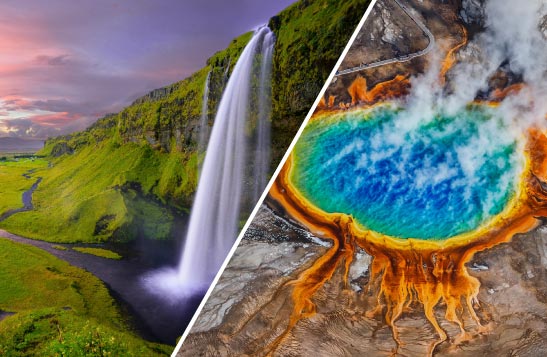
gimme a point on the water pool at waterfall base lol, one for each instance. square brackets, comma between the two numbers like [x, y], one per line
[407, 176]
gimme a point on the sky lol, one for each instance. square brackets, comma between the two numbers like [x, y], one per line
[65, 63]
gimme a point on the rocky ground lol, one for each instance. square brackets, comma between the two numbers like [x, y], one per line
[389, 33]
[244, 313]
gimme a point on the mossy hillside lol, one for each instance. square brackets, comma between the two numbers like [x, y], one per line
[311, 35]
[167, 118]
[59, 310]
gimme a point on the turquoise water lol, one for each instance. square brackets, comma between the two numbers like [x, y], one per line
[409, 179]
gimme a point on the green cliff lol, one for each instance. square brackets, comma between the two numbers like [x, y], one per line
[132, 173]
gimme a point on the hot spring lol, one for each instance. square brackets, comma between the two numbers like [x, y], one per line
[406, 177]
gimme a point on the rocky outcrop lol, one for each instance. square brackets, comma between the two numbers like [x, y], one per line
[156, 94]
[61, 148]
[543, 26]
[472, 12]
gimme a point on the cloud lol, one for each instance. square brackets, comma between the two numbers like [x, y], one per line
[55, 120]
[14, 103]
[44, 126]
[92, 58]
[60, 60]
[25, 128]
[513, 42]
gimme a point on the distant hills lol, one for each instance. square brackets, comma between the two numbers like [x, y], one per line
[9, 144]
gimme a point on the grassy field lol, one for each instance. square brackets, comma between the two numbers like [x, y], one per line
[102, 192]
[60, 310]
[13, 184]
[100, 252]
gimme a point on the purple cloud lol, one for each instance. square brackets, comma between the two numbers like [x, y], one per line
[89, 58]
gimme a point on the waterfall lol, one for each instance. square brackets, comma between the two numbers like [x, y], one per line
[204, 119]
[242, 119]
[262, 151]
[214, 216]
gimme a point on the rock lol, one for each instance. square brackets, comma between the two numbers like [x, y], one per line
[472, 12]
[543, 26]
[60, 149]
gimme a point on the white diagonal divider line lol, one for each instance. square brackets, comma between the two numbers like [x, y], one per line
[274, 176]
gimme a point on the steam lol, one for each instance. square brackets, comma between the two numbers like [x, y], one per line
[513, 41]
[437, 181]
[476, 152]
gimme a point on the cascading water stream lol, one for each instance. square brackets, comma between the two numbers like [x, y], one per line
[223, 185]
[262, 151]
[204, 119]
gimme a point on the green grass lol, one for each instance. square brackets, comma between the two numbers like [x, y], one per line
[108, 191]
[100, 252]
[60, 310]
[13, 184]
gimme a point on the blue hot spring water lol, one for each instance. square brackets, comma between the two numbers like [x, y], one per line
[409, 177]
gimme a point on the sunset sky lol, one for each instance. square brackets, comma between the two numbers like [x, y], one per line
[64, 63]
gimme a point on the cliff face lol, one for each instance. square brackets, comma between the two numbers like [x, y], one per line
[167, 118]
[158, 133]
[311, 36]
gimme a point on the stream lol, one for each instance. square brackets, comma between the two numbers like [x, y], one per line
[149, 315]
[27, 197]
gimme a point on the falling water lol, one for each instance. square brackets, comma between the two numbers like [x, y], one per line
[262, 150]
[222, 186]
[227, 70]
[204, 120]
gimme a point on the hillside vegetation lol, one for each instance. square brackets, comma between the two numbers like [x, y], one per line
[131, 172]
[311, 36]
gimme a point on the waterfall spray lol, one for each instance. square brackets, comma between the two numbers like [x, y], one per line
[222, 186]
